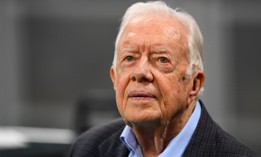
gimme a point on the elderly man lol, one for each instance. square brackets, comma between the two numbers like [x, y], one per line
[158, 75]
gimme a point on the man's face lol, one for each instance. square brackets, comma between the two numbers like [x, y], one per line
[150, 80]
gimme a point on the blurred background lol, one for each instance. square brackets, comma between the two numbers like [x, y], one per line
[55, 57]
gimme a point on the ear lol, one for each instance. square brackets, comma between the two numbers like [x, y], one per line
[112, 74]
[198, 81]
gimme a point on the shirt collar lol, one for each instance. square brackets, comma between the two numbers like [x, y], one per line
[177, 145]
[128, 138]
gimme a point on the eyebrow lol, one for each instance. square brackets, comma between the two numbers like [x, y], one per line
[126, 49]
[161, 50]
[129, 50]
[156, 50]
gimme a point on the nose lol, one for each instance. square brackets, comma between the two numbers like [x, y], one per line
[142, 72]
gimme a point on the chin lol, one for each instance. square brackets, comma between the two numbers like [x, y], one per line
[141, 119]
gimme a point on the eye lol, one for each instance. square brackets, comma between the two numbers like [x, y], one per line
[129, 58]
[163, 59]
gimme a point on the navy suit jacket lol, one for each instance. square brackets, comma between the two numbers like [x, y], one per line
[208, 140]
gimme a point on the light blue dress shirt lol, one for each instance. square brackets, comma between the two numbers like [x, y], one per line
[177, 145]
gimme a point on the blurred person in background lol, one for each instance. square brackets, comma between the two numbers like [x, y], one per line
[158, 76]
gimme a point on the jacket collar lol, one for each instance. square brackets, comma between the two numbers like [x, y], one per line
[203, 139]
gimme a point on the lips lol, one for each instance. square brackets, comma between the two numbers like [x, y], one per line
[141, 94]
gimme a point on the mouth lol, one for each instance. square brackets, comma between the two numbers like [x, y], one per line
[141, 95]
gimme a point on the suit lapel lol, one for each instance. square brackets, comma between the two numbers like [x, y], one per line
[202, 142]
[112, 146]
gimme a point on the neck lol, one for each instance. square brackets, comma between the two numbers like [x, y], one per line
[154, 138]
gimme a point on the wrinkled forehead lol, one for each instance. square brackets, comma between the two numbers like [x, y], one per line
[166, 27]
[169, 25]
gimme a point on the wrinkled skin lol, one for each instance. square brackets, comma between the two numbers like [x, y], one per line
[153, 91]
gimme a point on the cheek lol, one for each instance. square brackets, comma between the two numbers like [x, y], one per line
[171, 95]
[121, 85]
[120, 98]
[169, 86]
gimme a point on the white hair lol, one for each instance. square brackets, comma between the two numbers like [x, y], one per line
[195, 39]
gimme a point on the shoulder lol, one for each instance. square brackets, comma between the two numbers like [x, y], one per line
[227, 145]
[103, 131]
[224, 143]
[93, 140]
[209, 139]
